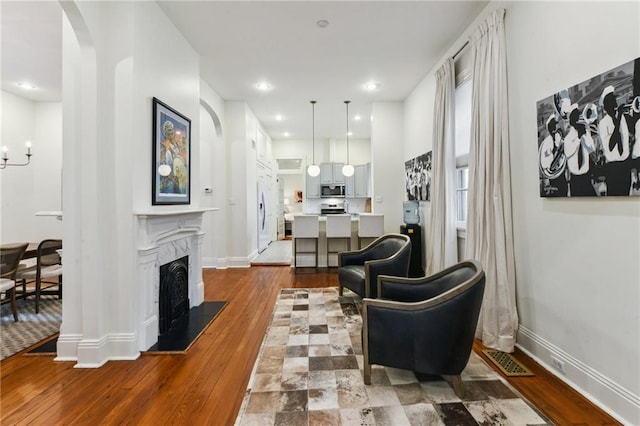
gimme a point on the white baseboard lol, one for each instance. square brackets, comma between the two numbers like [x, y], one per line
[616, 400]
[238, 262]
[94, 353]
[226, 262]
[67, 347]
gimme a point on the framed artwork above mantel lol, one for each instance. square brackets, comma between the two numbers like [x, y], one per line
[171, 166]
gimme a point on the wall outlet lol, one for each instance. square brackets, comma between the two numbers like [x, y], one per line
[378, 198]
[558, 364]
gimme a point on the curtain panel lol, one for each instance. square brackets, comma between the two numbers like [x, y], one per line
[489, 224]
[442, 243]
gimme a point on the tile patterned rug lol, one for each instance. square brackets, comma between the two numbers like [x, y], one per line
[309, 372]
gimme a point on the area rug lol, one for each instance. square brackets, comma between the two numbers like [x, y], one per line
[31, 327]
[309, 372]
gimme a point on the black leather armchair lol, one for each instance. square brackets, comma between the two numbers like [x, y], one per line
[425, 324]
[387, 255]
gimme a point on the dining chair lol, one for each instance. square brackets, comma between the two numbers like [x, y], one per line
[10, 256]
[48, 265]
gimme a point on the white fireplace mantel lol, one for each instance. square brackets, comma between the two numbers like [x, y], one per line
[175, 212]
[162, 237]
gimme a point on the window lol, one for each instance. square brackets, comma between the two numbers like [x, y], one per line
[462, 187]
[462, 137]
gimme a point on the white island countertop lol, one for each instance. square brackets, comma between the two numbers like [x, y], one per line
[321, 217]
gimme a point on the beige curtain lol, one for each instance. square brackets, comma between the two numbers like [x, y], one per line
[442, 243]
[489, 223]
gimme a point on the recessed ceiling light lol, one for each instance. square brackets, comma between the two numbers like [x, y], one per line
[278, 117]
[286, 134]
[263, 86]
[26, 86]
[350, 134]
[322, 23]
[372, 85]
[357, 118]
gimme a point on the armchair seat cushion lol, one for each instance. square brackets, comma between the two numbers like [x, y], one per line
[352, 277]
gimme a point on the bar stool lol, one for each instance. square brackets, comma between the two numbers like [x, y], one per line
[338, 227]
[370, 226]
[305, 227]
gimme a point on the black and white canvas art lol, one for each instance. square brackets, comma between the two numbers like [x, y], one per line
[589, 136]
[418, 177]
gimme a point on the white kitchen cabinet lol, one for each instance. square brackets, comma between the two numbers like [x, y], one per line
[338, 177]
[331, 173]
[326, 173]
[362, 181]
[313, 185]
[261, 147]
[350, 186]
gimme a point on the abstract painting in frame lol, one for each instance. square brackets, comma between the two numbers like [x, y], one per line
[418, 177]
[589, 136]
[171, 170]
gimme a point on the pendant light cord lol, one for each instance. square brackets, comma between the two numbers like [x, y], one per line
[313, 129]
[347, 103]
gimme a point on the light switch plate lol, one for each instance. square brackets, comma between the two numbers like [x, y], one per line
[378, 198]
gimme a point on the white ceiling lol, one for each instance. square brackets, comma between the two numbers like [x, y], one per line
[393, 43]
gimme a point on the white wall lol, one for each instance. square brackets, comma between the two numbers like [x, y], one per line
[577, 266]
[40, 123]
[418, 131]
[241, 139]
[578, 276]
[17, 213]
[213, 175]
[47, 189]
[387, 163]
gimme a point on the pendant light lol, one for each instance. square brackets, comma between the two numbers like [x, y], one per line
[313, 169]
[347, 169]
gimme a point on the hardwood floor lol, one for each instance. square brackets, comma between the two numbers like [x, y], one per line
[205, 386]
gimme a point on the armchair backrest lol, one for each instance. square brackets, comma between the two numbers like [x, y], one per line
[424, 288]
[386, 246]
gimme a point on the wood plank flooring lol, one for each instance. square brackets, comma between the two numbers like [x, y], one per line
[206, 386]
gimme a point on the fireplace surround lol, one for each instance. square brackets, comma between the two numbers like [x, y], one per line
[164, 237]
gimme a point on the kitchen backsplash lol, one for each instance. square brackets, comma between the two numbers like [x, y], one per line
[355, 205]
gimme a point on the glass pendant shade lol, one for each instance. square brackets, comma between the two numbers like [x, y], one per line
[348, 170]
[313, 170]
